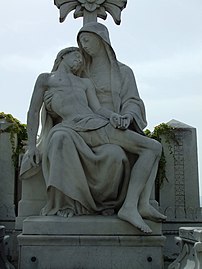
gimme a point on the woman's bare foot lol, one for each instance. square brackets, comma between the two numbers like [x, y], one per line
[66, 213]
[149, 212]
[132, 216]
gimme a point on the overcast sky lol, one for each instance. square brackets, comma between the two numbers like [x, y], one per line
[161, 40]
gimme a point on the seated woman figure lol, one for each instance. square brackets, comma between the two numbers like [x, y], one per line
[116, 90]
[74, 100]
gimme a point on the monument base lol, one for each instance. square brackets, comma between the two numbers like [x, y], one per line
[88, 242]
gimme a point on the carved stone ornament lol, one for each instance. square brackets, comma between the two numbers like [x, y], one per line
[91, 9]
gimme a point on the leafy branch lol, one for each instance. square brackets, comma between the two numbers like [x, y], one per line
[166, 131]
[15, 128]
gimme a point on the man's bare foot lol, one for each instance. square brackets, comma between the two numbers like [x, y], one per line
[133, 217]
[149, 212]
[66, 213]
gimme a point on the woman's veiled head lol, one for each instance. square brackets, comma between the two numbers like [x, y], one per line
[96, 28]
[90, 43]
[95, 32]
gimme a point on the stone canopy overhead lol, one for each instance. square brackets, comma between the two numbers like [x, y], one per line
[90, 10]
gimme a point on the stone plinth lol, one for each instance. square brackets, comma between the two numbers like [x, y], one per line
[33, 198]
[190, 242]
[93, 242]
[83, 225]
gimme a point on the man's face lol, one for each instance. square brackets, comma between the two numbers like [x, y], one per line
[73, 60]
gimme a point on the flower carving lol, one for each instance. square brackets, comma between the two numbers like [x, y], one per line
[97, 8]
[91, 5]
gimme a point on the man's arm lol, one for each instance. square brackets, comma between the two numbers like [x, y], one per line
[33, 117]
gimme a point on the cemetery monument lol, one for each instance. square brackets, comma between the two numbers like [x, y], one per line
[87, 182]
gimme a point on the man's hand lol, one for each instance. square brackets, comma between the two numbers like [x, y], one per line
[34, 156]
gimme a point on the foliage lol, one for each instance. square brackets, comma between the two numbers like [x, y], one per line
[15, 128]
[167, 132]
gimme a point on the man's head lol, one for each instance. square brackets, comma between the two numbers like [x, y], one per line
[71, 57]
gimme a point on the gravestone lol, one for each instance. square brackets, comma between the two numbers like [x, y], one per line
[182, 182]
[8, 143]
[7, 175]
[179, 192]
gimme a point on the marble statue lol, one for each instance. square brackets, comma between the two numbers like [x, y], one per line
[94, 154]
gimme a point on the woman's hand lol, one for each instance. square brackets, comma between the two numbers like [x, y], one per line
[120, 122]
[34, 156]
[115, 120]
[126, 120]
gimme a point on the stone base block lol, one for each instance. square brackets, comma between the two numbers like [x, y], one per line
[91, 252]
[88, 242]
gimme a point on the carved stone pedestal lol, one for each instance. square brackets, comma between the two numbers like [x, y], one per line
[88, 242]
[190, 242]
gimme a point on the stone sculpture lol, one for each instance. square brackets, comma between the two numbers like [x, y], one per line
[85, 148]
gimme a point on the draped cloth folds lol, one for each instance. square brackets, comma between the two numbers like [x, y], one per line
[86, 180]
[96, 184]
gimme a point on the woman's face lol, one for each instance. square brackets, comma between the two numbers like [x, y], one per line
[90, 43]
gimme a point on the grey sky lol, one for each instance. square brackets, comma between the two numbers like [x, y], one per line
[161, 40]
